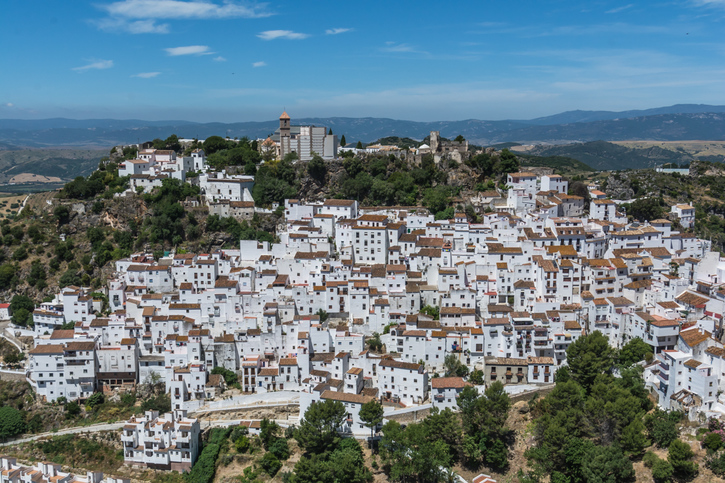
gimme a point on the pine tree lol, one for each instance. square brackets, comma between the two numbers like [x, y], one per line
[342, 141]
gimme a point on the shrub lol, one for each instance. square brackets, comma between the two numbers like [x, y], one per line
[203, 469]
[95, 400]
[72, 409]
[241, 444]
[712, 442]
[649, 459]
[128, 399]
[280, 449]
[679, 456]
[270, 464]
[662, 471]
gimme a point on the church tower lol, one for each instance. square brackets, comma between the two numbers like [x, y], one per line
[284, 134]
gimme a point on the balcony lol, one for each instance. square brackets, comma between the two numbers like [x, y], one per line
[664, 377]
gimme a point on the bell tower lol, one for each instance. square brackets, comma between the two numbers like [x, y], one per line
[284, 134]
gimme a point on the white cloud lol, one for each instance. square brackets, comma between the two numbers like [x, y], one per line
[259, 64]
[620, 9]
[178, 9]
[9, 104]
[220, 59]
[146, 75]
[95, 65]
[189, 50]
[392, 47]
[136, 27]
[281, 34]
[337, 31]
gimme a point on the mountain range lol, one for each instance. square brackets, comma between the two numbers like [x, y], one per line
[673, 123]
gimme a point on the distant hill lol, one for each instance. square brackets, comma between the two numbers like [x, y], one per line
[680, 122]
[561, 164]
[569, 117]
[65, 164]
[602, 155]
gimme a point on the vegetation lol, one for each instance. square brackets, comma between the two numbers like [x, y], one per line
[591, 424]
[327, 457]
[12, 422]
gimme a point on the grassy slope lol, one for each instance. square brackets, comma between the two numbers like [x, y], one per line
[63, 163]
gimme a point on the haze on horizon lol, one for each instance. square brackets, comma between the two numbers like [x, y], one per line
[227, 60]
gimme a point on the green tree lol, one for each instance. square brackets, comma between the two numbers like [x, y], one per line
[230, 377]
[454, 367]
[712, 441]
[634, 351]
[8, 276]
[476, 377]
[374, 343]
[317, 168]
[680, 456]
[22, 308]
[317, 432]
[72, 409]
[507, 163]
[662, 471]
[359, 145]
[588, 357]
[94, 400]
[633, 439]
[279, 448]
[268, 432]
[342, 141]
[410, 455]
[444, 425]
[607, 465]
[12, 422]
[371, 413]
[14, 356]
[662, 427]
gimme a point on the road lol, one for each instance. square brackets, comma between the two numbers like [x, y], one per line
[23, 205]
[95, 428]
[4, 324]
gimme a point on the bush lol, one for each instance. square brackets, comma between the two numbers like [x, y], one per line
[72, 409]
[12, 422]
[128, 399]
[270, 464]
[662, 427]
[280, 449]
[662, 471]
[230, 377]
[712, 442]
[241, 444]
[95, 400]
[203, 469]
[649, 459]
[679, 456]
[160, 403]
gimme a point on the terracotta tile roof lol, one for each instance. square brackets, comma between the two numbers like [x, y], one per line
[693, 337]
[346, 397]
[448, 383]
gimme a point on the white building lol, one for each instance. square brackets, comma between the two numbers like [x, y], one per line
[168, 442]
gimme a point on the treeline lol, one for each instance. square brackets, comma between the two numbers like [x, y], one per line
[593, 425]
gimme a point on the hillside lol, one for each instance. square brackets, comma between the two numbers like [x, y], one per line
[663, 127]
[51, 167]
[602, 155]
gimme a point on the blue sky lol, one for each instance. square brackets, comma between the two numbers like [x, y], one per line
[217, 60]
